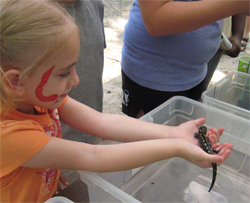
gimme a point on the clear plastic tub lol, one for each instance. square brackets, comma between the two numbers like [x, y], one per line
[58, 200]
[177, 180]
[232, 94]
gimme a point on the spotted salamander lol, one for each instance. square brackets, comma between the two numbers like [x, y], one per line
[206, 146]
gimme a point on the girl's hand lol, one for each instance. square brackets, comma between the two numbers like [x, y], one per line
[199, 157]
[62, 180]
[187, 130]
[214, 135]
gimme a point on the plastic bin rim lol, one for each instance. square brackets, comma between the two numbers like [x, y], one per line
[228, 76]
[107, 186]
[213, 109]
[221, 103]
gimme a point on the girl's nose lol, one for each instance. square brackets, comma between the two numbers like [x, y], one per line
[74, 80]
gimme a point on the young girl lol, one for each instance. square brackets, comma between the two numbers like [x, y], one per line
[39, 51]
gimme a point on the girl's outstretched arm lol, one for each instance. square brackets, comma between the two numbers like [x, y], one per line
[166, 17]
[122, 128]
[64, 154]
[179, 142]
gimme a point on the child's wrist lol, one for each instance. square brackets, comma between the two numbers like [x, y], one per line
[178, 148]
[172, 132]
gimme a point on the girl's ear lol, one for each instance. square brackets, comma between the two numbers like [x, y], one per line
[11, 79]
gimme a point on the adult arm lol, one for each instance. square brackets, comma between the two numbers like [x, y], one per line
[172, 17]
[238, 25]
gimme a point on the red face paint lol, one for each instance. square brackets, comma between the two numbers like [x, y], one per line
[39, 89]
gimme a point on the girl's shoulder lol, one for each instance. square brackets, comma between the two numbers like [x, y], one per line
[20, 140]
[13, 125]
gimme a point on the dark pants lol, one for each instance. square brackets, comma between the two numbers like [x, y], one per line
[136, 97]
[212, 65]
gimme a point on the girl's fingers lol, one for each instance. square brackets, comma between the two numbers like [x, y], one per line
[221, 129]
[216, 146]
[223, 151]
[59, 187]
[208, 160]
[219, 158]
[199, 121]
[63, 180]
[214, 134]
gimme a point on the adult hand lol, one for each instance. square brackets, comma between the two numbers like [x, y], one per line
[236, 47]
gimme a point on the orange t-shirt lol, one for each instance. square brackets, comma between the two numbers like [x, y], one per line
[21, 137]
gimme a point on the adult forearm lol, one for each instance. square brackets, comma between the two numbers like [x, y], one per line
[168, 17]
[238, 25]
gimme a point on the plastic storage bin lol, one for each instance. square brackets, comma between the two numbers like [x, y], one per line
[232, 94]
[177, 180]
[58, 200]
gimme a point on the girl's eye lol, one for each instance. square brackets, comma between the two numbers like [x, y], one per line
[65, 74]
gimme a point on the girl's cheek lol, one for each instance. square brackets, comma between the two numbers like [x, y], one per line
[43, 82]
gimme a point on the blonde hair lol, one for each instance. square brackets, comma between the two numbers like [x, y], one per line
[31, 31]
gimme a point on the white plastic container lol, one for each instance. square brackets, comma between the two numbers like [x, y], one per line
[58, 200]
[177, 180]
[232, 94]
